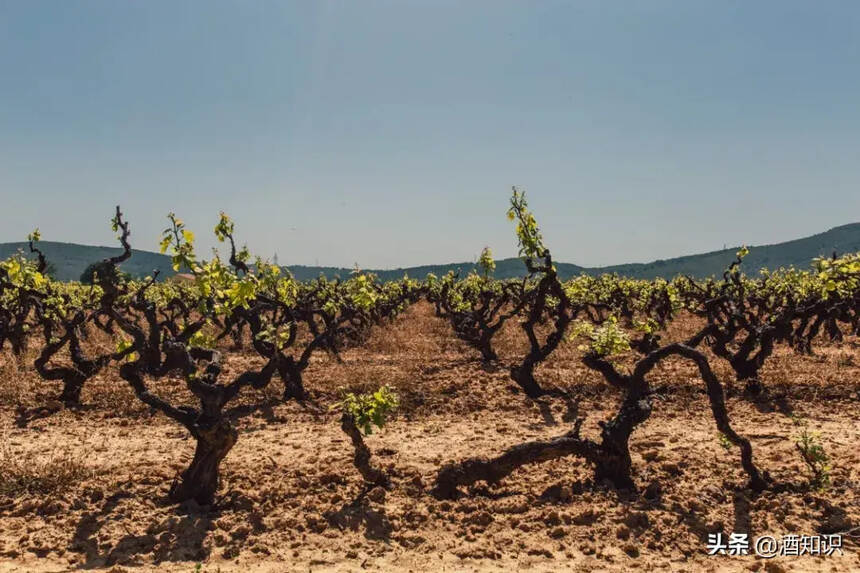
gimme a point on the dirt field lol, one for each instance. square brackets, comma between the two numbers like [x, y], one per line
[87, 489]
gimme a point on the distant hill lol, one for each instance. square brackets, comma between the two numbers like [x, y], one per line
[70, 260]
[798, 253]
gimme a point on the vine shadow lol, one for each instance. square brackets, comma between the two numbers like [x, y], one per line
[179, 536]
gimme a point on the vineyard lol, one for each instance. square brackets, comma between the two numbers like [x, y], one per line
[241, 419]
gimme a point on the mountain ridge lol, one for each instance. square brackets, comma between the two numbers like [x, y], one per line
[70, 259]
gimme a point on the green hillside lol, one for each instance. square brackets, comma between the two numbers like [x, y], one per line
[798, 253]
[70, 260]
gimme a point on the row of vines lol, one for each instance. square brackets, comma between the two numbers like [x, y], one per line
[168, 330]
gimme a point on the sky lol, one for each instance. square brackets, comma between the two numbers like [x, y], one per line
[389, 134]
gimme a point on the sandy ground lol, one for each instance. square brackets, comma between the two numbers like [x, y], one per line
[88, 487]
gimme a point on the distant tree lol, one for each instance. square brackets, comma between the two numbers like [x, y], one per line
[88, 277]
[486, 265]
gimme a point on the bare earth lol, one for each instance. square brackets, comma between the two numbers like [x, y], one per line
[87, 489]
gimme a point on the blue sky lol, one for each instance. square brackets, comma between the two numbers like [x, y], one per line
[389, 133]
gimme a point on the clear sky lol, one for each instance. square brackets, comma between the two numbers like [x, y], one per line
[389, 133]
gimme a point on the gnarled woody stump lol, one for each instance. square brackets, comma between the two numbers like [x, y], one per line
[373, 476]
[215, 438]
[610, 456]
